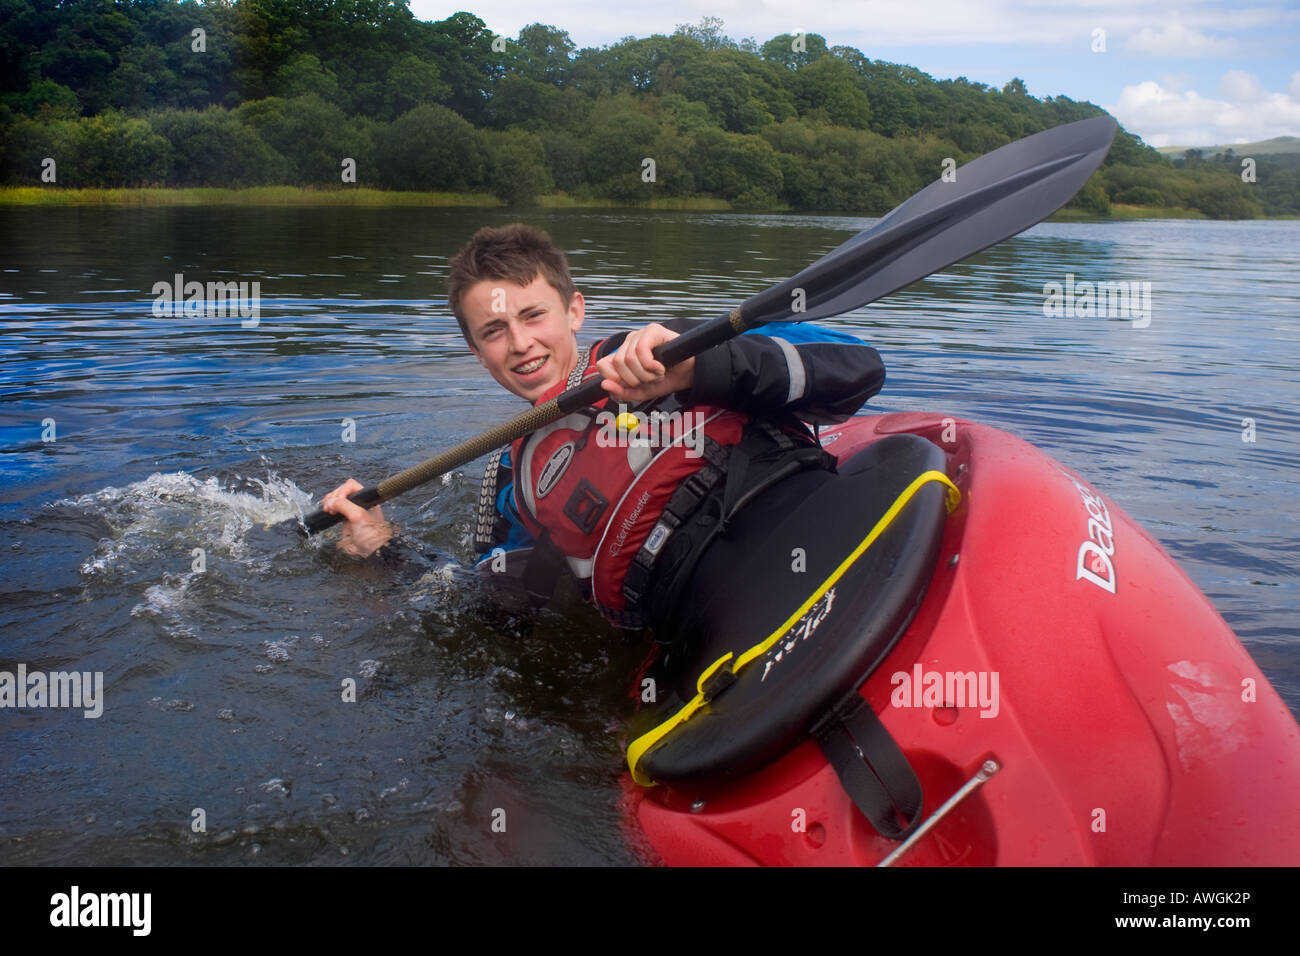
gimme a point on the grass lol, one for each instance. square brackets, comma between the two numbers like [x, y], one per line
[359, 196]
[254, 196]
[1118, 211]
[304, 196]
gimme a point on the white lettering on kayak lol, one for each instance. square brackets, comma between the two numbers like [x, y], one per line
[801, 630]
[1095, 562]
[922, 688]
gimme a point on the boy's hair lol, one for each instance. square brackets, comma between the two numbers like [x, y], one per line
[518, 253]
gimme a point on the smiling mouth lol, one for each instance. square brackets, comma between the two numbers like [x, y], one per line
[529, 367]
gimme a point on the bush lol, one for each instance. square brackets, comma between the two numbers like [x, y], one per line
[1139, 196]
[1225, 201]
[430, 148]
[516, 167]
[211, 148]
[312, 135]
[115, 151]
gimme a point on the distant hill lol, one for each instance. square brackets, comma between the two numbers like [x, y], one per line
[1268, 147]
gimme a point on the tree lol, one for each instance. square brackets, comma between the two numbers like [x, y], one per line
[829, 84]
[113, 150]
[211, 148]
[517, 173]
[413, 82]
[430, 148]
[547, 51]
[708, 32]
[793, 52]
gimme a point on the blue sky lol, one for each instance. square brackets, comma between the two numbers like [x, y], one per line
[1199, 72]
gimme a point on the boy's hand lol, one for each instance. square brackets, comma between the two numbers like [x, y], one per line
[366, 531]
[632, 374]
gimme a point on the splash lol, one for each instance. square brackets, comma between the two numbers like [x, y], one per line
[179, 516]
[181, 505]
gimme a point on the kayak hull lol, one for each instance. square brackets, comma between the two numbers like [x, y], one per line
[1057, 639]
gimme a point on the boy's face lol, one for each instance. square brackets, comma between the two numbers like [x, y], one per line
[523, 335]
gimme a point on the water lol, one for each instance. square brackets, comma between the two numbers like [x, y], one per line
[224, 686]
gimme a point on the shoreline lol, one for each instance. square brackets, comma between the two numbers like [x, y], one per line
[379, 198]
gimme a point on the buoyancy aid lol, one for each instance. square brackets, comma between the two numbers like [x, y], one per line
[597, 481]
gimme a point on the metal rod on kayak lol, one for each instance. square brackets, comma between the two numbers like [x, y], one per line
[987, 771]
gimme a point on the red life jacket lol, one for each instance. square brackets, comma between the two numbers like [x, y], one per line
[598, 490]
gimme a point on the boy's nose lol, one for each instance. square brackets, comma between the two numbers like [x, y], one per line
[520, 340]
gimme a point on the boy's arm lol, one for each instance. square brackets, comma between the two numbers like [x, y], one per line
[820, 382]
[820, 375]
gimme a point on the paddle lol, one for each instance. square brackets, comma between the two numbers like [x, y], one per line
[987, 200]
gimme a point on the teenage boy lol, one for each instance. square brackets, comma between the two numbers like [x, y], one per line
[629, 507]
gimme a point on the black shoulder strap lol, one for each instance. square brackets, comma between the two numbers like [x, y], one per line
[871, 767]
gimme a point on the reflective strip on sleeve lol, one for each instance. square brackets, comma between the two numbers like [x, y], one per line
[794, 364]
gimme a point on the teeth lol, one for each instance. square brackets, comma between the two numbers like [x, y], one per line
[532, 366]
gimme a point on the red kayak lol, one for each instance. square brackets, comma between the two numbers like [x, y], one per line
[1008, 671]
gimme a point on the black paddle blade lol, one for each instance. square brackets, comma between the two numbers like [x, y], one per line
[990, 199]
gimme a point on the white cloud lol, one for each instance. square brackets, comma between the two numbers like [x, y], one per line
[1165, 117]
[1241, 87]
[1175, 39]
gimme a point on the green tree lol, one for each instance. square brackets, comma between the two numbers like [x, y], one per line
[1225, 200]
[547, 51]
[516, 167]
[729, 165]
[211, 148]
[708, 33]
[304, 75]
[413, 82]
[113, 150]
[793, 52]
[431, 148]
[313, 135]
[829, 84]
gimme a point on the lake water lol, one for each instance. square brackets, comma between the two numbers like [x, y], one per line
[129, 440]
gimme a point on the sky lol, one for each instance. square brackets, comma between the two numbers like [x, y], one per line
[1193, 73]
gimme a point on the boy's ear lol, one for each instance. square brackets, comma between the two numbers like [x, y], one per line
[577, 311]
